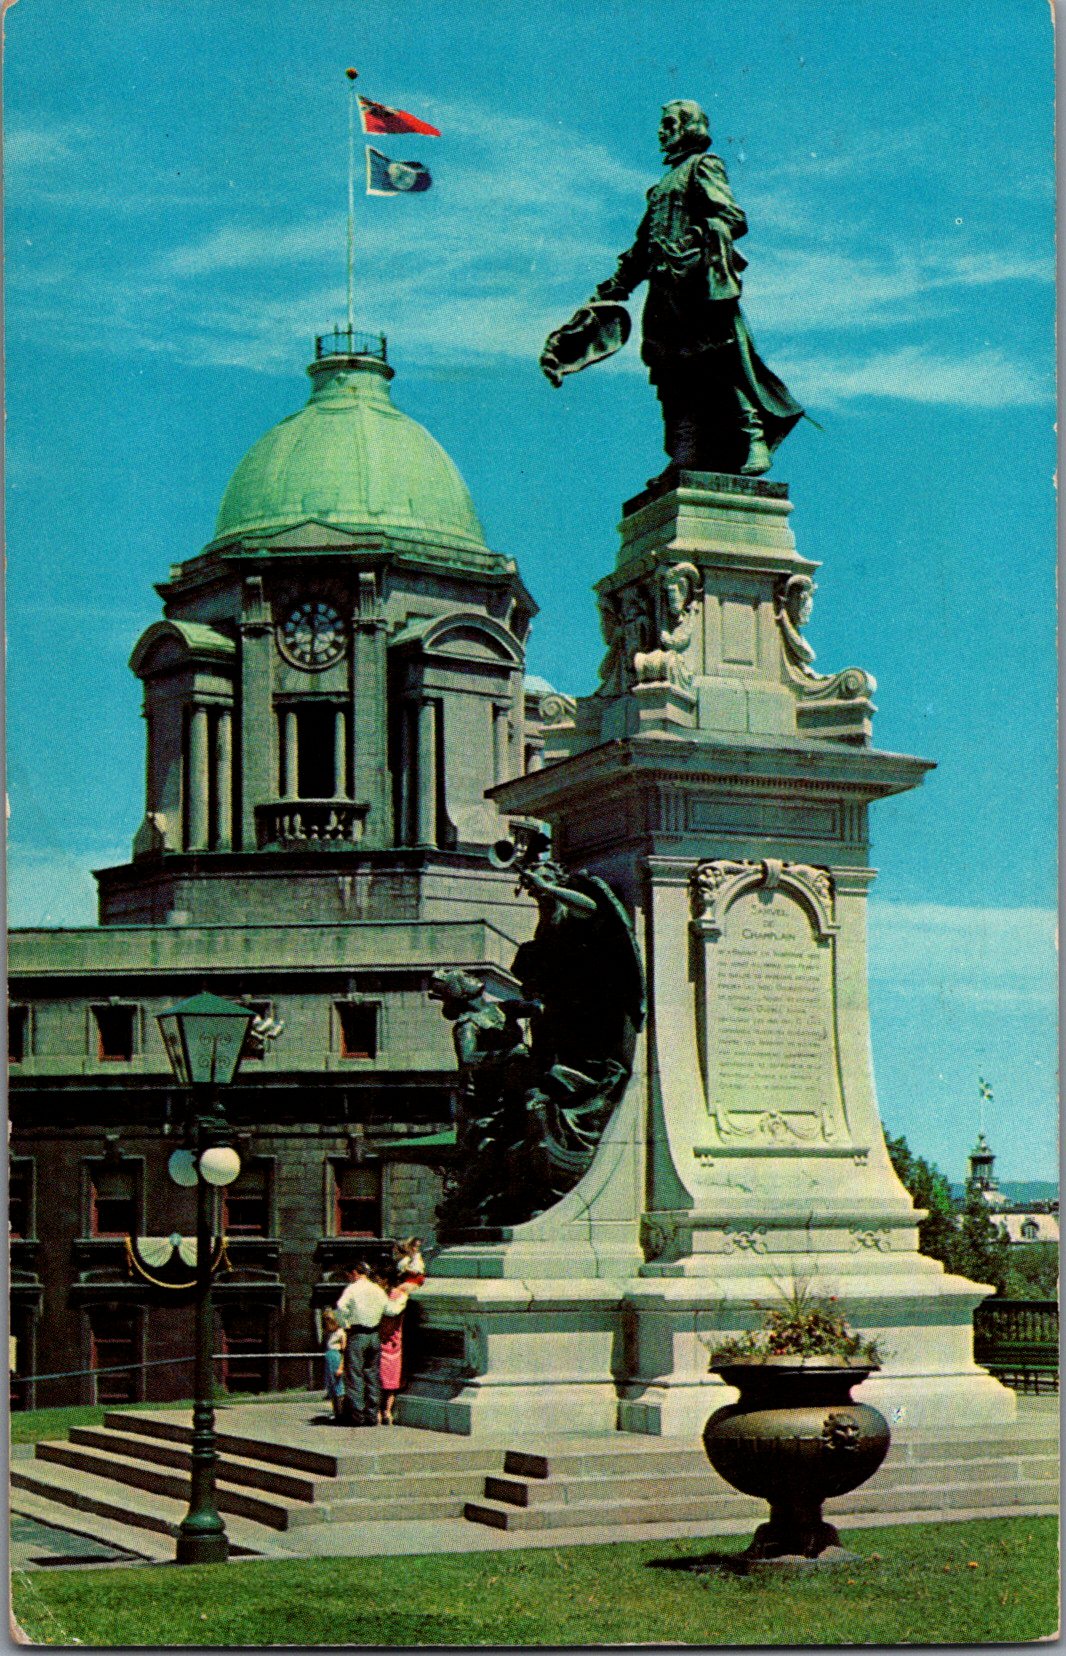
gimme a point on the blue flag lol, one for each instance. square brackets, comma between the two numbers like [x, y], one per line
[386, 178]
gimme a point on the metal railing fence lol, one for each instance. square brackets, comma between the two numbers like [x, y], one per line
[1018, 1342]
[233, 1360]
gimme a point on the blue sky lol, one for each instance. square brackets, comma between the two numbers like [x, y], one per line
[175, 234]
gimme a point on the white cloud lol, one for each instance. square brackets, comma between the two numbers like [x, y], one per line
[810, 288]
[32, 147]
[240, 247]
[1002, 958]
[908, 147]
[525, 218]
[983, 378]
[959, 992]
[540, 158]
[49, 886]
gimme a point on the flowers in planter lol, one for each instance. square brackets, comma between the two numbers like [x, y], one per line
[805, 1326]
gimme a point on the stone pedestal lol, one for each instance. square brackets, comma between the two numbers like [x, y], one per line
[728, 809]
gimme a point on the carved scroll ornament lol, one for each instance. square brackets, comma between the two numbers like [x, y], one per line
[716, 882]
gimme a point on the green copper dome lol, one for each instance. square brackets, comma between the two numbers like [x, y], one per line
[351, 460]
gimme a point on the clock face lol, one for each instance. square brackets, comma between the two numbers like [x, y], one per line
[312, 634]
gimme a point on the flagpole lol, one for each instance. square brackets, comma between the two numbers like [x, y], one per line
[352, 76]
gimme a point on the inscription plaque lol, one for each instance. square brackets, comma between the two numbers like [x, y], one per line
[770, 1030]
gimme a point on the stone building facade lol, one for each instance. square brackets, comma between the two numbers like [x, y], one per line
[336, 680]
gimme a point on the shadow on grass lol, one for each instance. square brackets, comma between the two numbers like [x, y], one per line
[711, 1563]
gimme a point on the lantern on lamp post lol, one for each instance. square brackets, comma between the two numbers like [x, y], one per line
[204, 1037]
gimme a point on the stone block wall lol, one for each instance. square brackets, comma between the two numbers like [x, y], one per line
[410, 1197]
[64, 1277]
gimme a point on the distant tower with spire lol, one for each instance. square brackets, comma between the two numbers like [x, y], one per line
[982, 1157]
[982, 1178]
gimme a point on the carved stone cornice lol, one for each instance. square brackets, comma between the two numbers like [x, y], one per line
[256, 620]
[367, 613]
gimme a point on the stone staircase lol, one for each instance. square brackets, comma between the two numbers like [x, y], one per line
[637, 1485]
[574, 1489]
[133, 1472]
[280, 1472]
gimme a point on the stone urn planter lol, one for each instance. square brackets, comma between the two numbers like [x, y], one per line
[795, 1438]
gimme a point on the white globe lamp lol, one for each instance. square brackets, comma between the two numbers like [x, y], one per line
[219, 1165]
[182, 1168]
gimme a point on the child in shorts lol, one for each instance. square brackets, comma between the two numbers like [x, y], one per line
[335, 1339]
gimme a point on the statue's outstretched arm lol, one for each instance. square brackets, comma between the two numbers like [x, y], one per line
[575, 901]
[630, 271]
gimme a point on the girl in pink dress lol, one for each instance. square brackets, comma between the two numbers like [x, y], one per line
[392, 1350]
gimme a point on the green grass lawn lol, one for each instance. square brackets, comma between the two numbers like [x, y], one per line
[33, 1425]
[967, 1583]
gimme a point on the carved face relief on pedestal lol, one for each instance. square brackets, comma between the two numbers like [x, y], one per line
[680, 587]
[799, 599]
[795, 601]
[680, 584]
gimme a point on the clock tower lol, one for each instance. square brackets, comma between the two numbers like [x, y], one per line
[337, 679]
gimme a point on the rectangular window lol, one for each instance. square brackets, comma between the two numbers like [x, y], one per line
[18, 1034]
[114, 1033]
[358, 1022]
[113, 1200]
[20, 1199]
[255, 1051]
[356, 1200]
[316, 776]
[113, 1346]
[245, 1343]
[246, 1202]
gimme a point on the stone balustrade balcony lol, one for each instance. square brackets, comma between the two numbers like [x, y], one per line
[309, 822]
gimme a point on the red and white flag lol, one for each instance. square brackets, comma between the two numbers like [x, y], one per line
[378, 117]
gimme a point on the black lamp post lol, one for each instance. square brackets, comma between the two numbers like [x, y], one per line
[204, 1037]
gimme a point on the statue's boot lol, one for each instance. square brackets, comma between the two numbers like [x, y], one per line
[758, 460]
[683, 442]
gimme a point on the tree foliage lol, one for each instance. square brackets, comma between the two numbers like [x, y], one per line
[982, 1252]
[930, 1190]
[1033, 1272]
[968, 1243]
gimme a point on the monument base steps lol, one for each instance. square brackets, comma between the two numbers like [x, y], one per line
[133, 1472]
[637, 1484]
[498, 1409]
[283, 1470]
[507, 1355]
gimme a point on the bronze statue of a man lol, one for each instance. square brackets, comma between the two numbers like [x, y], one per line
[723, 409]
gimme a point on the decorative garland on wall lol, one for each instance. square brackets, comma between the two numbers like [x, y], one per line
[157, 1251]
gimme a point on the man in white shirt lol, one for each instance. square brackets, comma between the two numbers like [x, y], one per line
[359, 1312]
